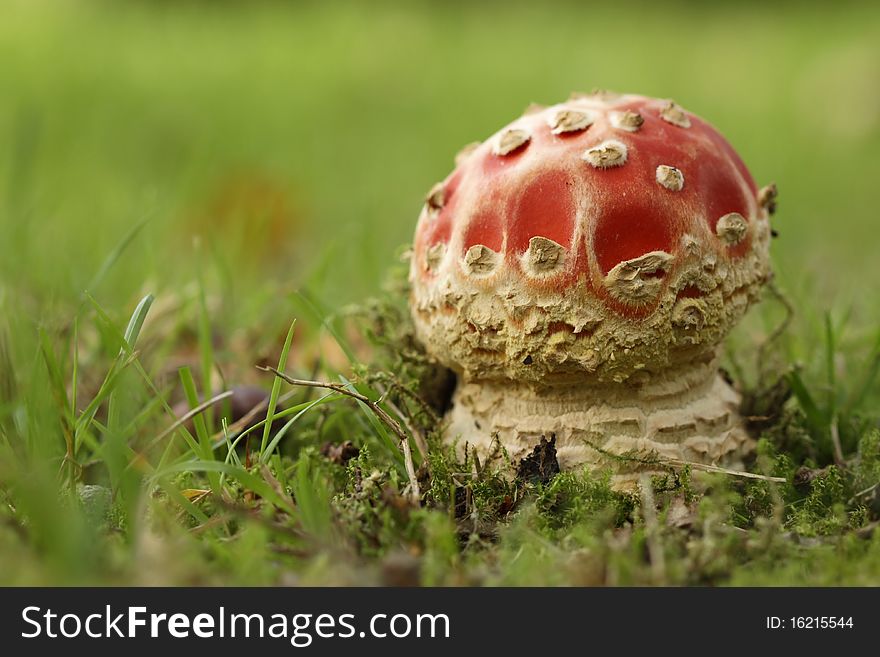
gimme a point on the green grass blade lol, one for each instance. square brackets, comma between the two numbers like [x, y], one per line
[114, 449]
[205, 451]
[283, 430]
[830, 369]
[815, 416]
[388, 442]
[304, 302]
[205, 339]
[132, 331]
[312, 500]
[59, 394]
[136, 321]
[8, 386]
[247, 479]
[231, 454]
[863, 389]
[53, 367]
[181, 500]
[279, 415]
[74, 375]
[276, 389]
[120, 364]
[115, 254]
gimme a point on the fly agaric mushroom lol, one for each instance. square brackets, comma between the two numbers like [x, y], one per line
[579, 270]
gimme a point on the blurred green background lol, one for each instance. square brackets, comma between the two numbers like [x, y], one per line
[296, 136]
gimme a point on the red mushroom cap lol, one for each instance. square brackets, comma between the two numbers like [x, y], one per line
[620, 205]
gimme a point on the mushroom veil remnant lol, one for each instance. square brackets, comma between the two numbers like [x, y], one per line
[578, 271]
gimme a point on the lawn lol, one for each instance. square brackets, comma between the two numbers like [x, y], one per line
[180, 183]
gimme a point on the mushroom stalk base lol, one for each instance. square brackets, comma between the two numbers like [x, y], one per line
[690, 414]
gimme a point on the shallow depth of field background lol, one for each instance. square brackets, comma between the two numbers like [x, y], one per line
[296, 135]
[283, 146]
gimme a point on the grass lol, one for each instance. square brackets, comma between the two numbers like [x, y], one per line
[179, 184]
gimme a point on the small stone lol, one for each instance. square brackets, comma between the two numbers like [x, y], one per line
[670, 177]
[611, 153]
[510, 140]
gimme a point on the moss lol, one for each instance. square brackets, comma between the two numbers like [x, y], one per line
[867, 466]
[578, 497]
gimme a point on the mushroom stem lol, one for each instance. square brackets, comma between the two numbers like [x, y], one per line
[688, 414]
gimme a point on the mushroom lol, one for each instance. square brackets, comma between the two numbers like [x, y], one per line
[579, 270]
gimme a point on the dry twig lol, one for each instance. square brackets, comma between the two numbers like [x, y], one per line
[777, 332]
[719, 470]
[373, 405]
[656, 461]
[201, 408]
